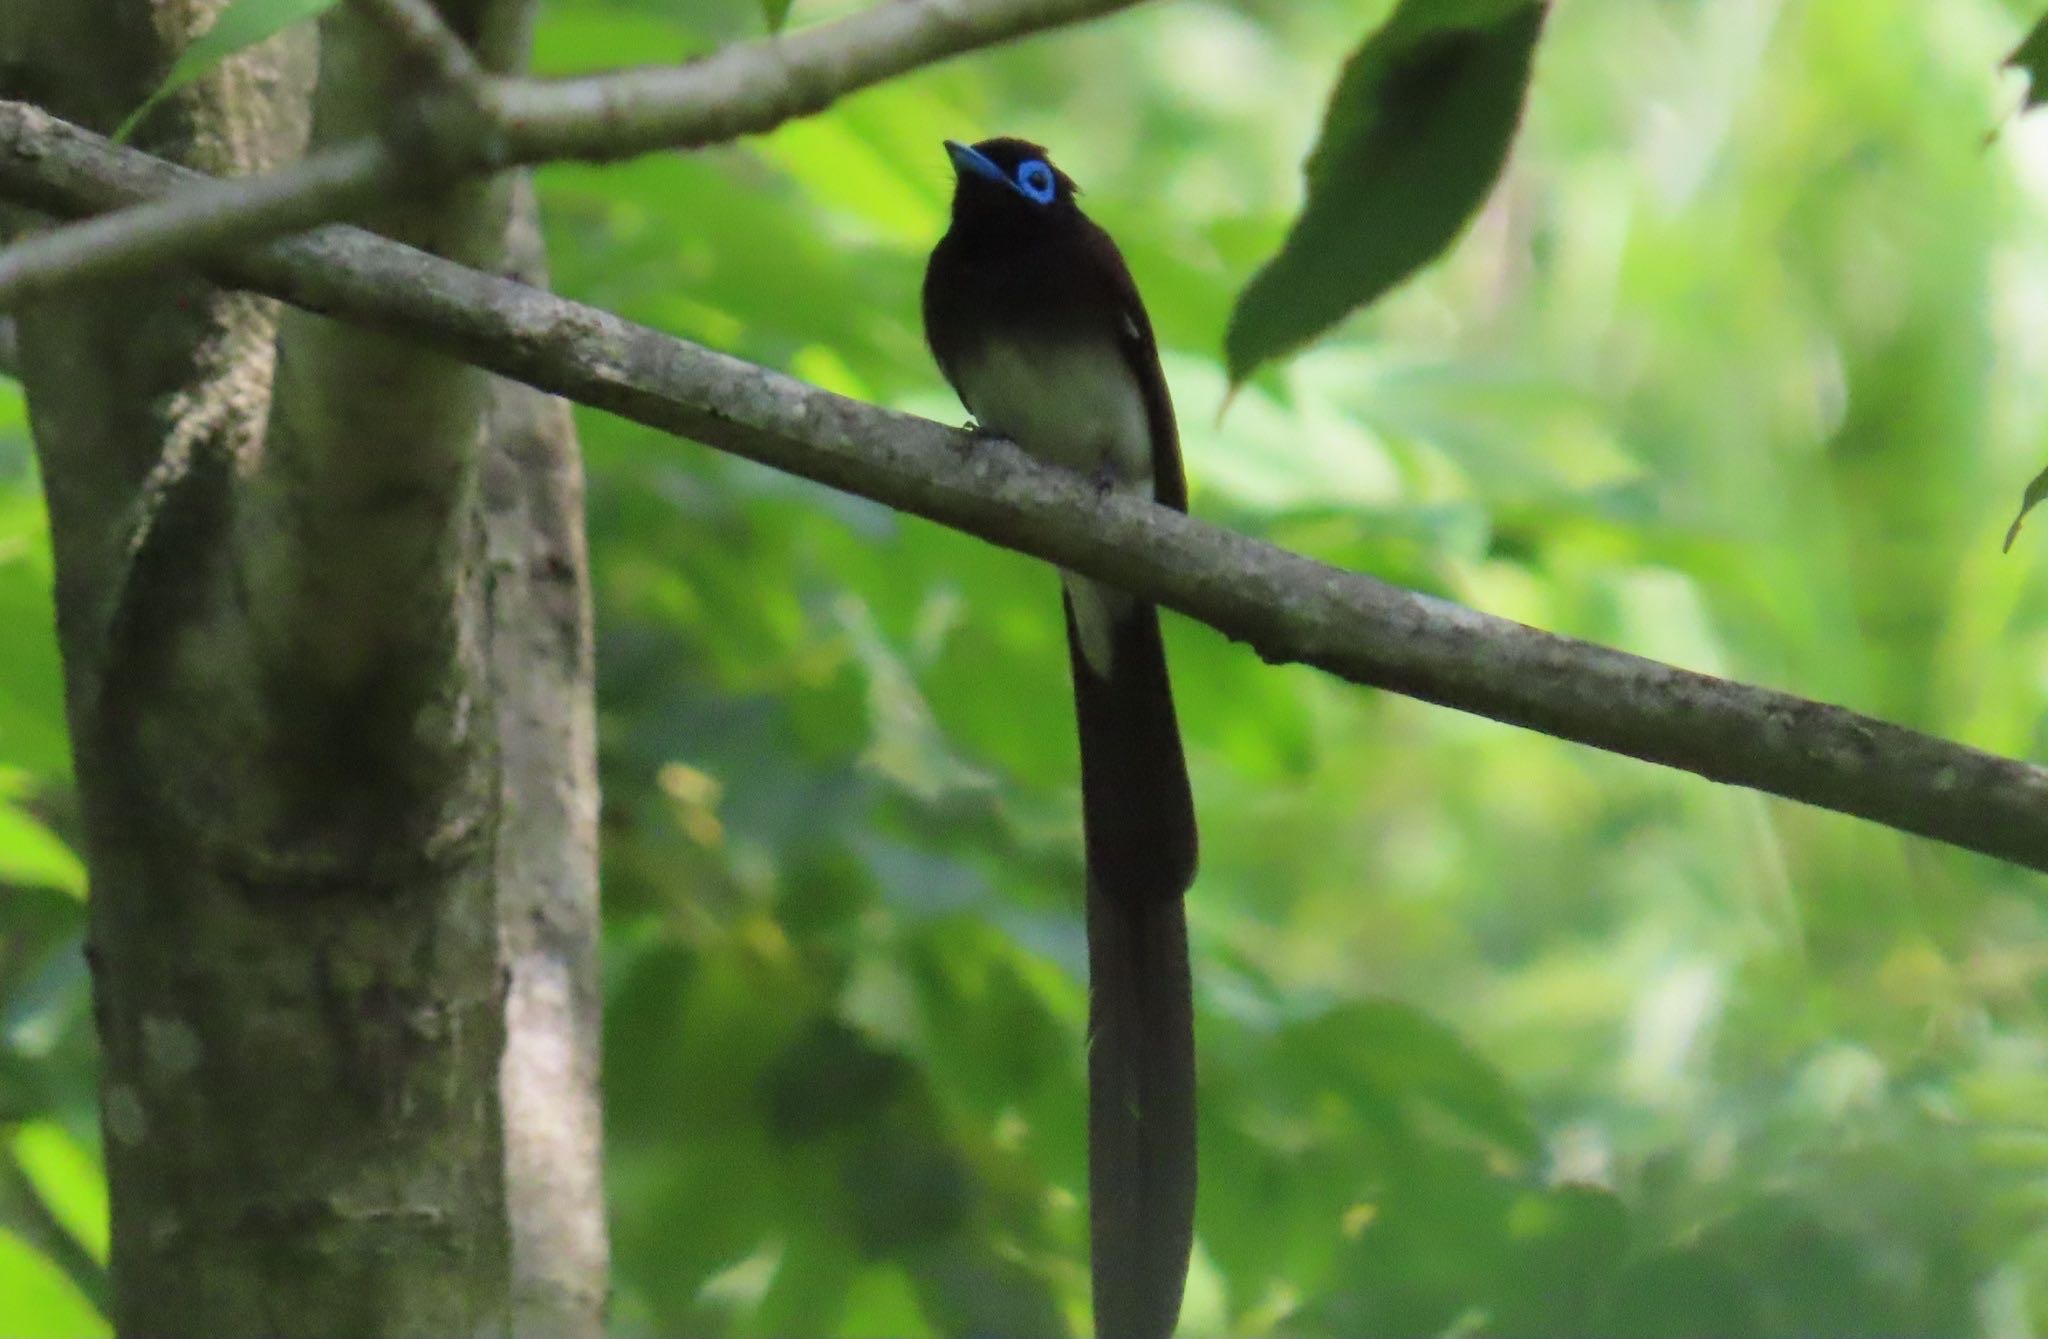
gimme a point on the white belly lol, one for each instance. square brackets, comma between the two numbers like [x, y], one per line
[1073, 405]
[1077, 406]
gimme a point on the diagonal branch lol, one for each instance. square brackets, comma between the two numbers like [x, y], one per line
[425, 38]
[1289, 608]
[746, 89]
[495, 123]
[329, 184]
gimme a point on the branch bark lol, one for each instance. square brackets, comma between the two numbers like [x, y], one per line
[484, 124]
[1289, 608]
[426, 40]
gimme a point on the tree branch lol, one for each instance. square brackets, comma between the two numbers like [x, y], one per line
[1288, 607]
[421, 33]
[756, 86]
[328, 184]
[503, 122]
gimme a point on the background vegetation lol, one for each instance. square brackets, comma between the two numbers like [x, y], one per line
[1742, 368]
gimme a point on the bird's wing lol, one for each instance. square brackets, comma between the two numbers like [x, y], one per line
[1141, 354]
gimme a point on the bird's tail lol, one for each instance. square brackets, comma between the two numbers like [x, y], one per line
[1139, 818]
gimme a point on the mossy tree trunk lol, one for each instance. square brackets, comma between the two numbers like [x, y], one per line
[324, 613]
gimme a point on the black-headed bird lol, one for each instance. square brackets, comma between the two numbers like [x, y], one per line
[1033, 317]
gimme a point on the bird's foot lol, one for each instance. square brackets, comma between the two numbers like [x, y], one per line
[1103, 477]
[976, 435]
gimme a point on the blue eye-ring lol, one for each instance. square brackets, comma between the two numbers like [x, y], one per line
[1035, 180]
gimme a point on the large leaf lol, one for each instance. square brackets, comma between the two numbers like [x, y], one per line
[2036, 490]
[2031, 55]
[1415, 135]
[242, 24]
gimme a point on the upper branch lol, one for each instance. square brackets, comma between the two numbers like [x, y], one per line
[327, 184]
[1288, 607]
[425, 37]
[756, 86]
[502, 122]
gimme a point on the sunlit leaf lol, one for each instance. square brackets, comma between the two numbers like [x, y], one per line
[32, 736]
[31, 854]
[242, 24]
[1414, 137]
[68, 1179]
[40, 1303]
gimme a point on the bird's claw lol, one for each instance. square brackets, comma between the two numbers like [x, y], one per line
[976, 434]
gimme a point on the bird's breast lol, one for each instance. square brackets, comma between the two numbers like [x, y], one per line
[1072, 403]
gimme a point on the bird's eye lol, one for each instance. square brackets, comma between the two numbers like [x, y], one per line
[1035, 180]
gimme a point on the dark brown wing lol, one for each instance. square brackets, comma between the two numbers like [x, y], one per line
[945, 323]
[1141, 353]
[1139, 817]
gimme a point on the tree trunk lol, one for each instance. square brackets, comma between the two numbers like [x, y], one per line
[324, 615]
[543, 685]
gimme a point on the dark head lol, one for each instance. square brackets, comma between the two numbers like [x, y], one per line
[1007, 179]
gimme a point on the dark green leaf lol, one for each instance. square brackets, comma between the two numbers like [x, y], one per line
[830, 1078]
[2031, 55]
[776, 12]
[1568, 1244]
[1679, 1294]
[2036, 490]
[242, 24]
[1404, 1057]
[1415, 135]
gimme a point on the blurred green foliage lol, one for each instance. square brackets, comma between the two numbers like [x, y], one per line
[1743, 367]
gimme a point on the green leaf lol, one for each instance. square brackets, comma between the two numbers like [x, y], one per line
[41, 1303]
[2036, 490]
[2031, 55]
[242, 24]
[776, 12]
[1414, 138]
[1411, 1057]
[31, 854]
[32, 737]
[69, 1180]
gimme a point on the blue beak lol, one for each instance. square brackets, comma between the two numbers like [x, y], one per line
[967, 159]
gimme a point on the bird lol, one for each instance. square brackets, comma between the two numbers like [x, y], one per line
[1034, 319]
